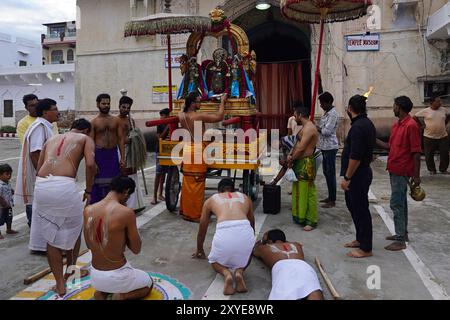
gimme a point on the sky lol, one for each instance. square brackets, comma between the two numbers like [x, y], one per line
[24, 18]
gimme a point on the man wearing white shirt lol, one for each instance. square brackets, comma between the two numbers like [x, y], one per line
[35, 137]
[328, 145]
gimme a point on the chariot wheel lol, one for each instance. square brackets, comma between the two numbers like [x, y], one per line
[173, 188]
[250, 184]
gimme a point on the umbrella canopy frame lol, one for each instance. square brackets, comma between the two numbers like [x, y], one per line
[322, 11]
[335, 10]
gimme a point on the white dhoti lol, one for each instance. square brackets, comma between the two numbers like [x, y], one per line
[136, 200]
[293, 279]
[123, 280]
[233, 244]
[57, 214]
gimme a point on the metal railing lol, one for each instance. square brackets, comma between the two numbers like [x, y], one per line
[70, 34]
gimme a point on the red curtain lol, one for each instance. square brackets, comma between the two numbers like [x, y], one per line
[278, 87]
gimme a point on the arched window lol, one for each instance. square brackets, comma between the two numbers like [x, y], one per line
[57, 56]
[70, 56]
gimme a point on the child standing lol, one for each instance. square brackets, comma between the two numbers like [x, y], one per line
[6, 199]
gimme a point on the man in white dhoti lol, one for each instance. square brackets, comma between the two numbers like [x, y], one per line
[58, 205]
[110, 227]
[35, 137]
[292, 277]
[234, 239]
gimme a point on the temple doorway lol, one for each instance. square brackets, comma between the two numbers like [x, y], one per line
[283, 52]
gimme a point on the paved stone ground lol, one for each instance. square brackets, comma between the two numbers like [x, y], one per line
[421, 272]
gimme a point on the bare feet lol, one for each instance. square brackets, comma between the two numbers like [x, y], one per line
[353, 244]
[328, 205]
[240, 283]
[118, 296]
[11, 231]
[358, 253]
[396, 246]
[161, 198]
[100, 295]
[59, 289]
[308, 228]
[228, 288]
[154, 202]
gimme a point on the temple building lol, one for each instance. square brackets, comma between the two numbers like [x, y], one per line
[402, 47]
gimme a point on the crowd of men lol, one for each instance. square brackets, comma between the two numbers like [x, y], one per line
[49, 162]
[404, 147]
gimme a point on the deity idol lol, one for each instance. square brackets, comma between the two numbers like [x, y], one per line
[217, 73]
[193, 79]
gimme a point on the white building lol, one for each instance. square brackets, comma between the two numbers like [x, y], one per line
[59, 43]
[52, 81]
[48, 72]
[18, 52]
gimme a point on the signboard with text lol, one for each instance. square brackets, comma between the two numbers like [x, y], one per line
[363, 42]
[175, 60]
[160, 94]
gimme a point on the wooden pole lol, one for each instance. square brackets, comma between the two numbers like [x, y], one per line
[35, 277]
[169, 49]
[316, 79]
[330, 286]
[145, 182]
[172, 126]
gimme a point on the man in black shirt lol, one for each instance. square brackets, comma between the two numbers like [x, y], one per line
[162, 131]
[356, 159]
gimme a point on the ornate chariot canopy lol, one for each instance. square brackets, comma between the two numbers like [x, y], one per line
[313, 11]
[171, 23]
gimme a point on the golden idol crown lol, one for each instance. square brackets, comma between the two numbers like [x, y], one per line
[217, 15]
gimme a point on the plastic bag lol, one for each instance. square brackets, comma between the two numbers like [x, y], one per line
[290, 176]
[319, 159]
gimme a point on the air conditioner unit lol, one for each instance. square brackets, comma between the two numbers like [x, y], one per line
[439, 24]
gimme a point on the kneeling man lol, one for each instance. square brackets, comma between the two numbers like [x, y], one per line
[234, 238]
[292, 277]
[110, 227]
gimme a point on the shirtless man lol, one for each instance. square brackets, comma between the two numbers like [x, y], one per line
[190, 115]
[126, 124]
[302, 161]
[193, 187]
[292, 277]
[234, 238]
[57, 206]
[125, 105]
[107, 136]
[110, 227]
